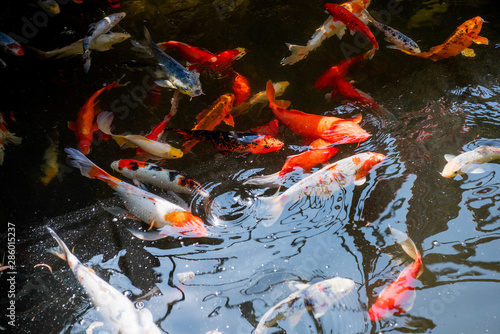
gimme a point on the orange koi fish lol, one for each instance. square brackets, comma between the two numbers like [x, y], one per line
[305, 161]
[350, 92]
[270, 129]
[84, 126]
[333, 129]
[339, 13]
[202, 59]
[398, 297]
[153, 210]
[243, 142]
[241, 89]
[219, 111]
[6, 137]
[459, 42]
[339, 70]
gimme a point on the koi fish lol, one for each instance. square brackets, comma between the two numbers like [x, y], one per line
[153, 210]
[459, 42]
[95, 30]
[168, 179]
[6, 137]
[398, 39]
[329, 28]
[343, 15]
[201, 59]
[243, 142]
[323, 183]
[349, 92]
[177, 76]
[270, 129]
[156, 149]
[468, 161]
[305, 161]
[333, 129]
[84, 126]
[120, 313]
[316, 298]
[208, 119]
[50, 6]
[398, 297]
[10, 46]
[241, 89]
[260, 98]
[340, 70]
[50, 168]
[101, 43]
[114, 3]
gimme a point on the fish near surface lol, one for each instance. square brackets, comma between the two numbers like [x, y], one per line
[176, 76]
[398, 297]
[458, 42]
[243, 142]
[333, 129]
[116, 309]
[316, 298]
[168, 179]
[153, 210]
[323, 183]
[468, 161]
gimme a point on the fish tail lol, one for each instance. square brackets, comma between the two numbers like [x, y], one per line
[299, 52]
[269, 209]
[405, 242]
[271, 179]
[104, 120]
[62, 251]
[88, 168]
[271, 93]
[368, 15]
[11, 138]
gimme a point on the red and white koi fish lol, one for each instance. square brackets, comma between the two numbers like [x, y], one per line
[84, 126]
[305, 161]
[329, 28]
[398, 297]
[323, 183]
[95, 30]
[153, 210]
[316, 298]
[6, 137]
[142, 172]
[157, 150]
[260, 98]
[468, 161]
[333, 129]
[209, 119]
[116, 309]
[339, 13]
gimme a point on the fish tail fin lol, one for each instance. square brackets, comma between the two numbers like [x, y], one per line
[269, 209]
[406, 243]
[368, 15]
[104, 120]
[11, 138]
[271, 93]
[62, 251]
[299, 52]
[88, 168]
[188, 145]
[147, 35]
[271, 179]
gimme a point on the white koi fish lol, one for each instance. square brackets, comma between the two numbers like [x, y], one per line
[260, 98]
[102, 43]
[143, 172]
[153, 210]
[329, 28]
[95, 30]
[118, 311]
[156, 149]
[467, 162]
[323, 183]
[317, 298]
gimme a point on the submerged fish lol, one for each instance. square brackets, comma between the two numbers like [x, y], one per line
[168, 179]
[157, 150]
[467, 162]
[95, 30]
[50, 6]
[259, 98]
[50, 168]
[118, 311]
[316, 298]
[398, 297]
[243, 142]
[323, 183]
[153, 210]
[6, 137]
[10, 46]
[177, 76]
[102, 43]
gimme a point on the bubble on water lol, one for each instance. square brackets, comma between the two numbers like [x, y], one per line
[139, 305]
[127, 293]
[436, 243]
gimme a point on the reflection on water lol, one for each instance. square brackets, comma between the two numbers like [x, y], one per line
[244, 268]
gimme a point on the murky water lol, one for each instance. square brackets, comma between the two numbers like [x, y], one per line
[443, 107]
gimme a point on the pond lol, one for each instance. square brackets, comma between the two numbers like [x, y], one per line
[243, 267]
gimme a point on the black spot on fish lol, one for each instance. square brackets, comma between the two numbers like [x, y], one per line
[155, 168]
[133, 165]
[172, 176]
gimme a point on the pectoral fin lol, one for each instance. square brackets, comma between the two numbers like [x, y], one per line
[229, 120]
[480, 40]
[449, 157]
[468, 52]
[295, 318]
[473, 169]
[360, 181]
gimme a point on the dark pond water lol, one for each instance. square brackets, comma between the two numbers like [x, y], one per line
[443, 107]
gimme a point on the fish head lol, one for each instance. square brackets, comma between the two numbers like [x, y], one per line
[368, 164]
[186, 224]
[473, 26]
[174, 153]
[84, 146]
[14, 49]
[451, 169]
[345, 132]
[117, 17]
[265, 144]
